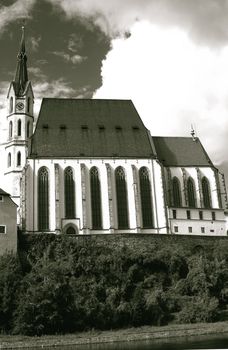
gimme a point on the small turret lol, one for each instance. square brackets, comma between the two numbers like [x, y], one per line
[193, 134]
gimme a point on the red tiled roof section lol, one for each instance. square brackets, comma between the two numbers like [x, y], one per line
[89, 128]
[181, 151]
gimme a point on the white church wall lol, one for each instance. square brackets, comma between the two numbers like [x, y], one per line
[208, 172]
[159, 200]
[207, 226]
[104, 197]
[177, 172]
[210, 175]
[29, 198]
[131, 197]
[156, 183]
[192, 172]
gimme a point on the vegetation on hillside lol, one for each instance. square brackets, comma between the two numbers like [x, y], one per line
[79, 285]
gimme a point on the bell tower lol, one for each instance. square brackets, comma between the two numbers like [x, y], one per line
[20, 123]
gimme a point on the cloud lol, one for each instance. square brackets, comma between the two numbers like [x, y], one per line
[75, 59]
[55, 88]
[75, 43]
[59, 88]
[20, 9]
[4, 86]
[42, 87]
[37, 74]
[35, 42]
[173, 83]
[42, 62]
[205, 20]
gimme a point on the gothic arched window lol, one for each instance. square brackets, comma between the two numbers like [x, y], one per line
[95, 190]
[43, 199]
[28, 105]
[146, 202]
[176, 192]
[19, 127]
[11, 104]
[69, 193]
[9, 160]
[28, 129]
[10, 129]
[121, 198]
[18, 158]
[191, 193]
[206, 193]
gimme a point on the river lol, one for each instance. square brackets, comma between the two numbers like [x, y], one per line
[200, 342]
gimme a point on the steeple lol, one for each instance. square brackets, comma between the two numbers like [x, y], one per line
[20, 123]
[21, 76]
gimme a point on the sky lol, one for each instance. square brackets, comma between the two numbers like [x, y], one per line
[169, 56]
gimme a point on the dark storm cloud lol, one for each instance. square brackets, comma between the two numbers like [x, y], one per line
[11, 11]
[75, 42]
[56, 46]
[205, 20]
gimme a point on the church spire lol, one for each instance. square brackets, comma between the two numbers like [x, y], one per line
[21, 76]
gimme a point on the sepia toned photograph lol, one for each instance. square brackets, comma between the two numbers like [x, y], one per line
[113, 174]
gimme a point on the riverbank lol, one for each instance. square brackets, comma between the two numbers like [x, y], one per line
[123, 335]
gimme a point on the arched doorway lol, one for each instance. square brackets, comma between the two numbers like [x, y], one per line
[70, 230]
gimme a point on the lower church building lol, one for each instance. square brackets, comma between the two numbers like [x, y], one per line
[91, 166]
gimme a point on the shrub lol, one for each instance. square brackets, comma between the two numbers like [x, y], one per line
[10, 279]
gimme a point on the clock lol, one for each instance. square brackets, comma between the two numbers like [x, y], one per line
[20, 106]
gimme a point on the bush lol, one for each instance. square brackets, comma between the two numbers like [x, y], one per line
[71, 284]
[46, 301]
[199, 309]
[10, 280]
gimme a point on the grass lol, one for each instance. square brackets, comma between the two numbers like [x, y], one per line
[121, 335]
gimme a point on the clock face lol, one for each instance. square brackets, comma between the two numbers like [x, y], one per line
[20, 105]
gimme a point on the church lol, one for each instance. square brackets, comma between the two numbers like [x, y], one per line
[89, 166]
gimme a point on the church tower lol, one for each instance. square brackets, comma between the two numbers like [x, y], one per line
[20, 123]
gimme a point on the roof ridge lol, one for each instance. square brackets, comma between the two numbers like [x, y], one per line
[83, 99]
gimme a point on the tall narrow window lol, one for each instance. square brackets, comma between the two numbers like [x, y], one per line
[28, 105]
[10, 129]
[95, 189]
[19, 127]
[206, 193]
[18, 158]
[191, 193]
[43, 199]
[69, 193]
[11, 104]
[9, 160]
[28, 129]
[176, 192]
[146, 202]
[121, 198]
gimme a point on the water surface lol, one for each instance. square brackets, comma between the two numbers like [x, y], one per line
[200, 342]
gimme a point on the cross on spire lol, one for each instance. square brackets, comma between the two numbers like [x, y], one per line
[21, 76]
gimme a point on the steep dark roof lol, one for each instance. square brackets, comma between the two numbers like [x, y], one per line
[21, 75]
[181, 151]
[3, 193]
[89, 128]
